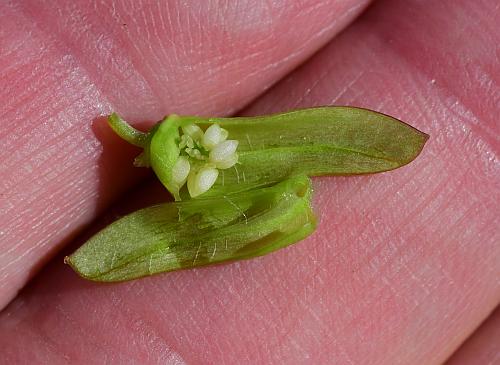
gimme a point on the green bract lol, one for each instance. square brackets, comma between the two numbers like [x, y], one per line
[315, 141]
[198, 232]
[240, 185]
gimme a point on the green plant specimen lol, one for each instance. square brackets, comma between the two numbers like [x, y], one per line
[240, 184]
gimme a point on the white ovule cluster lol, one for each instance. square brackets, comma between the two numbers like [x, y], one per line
[203, 154]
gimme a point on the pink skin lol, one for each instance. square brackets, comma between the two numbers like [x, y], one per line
[63, 69]
[482, 347]
[404, 265]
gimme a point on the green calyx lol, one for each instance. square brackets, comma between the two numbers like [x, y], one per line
[180, 152]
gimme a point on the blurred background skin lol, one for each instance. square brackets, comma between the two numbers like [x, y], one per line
[404, 266]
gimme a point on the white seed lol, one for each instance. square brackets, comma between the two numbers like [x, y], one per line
[213, 136]
[193, 131]
[228, 162]
[223, 151]
[180, 171]
[201, 181]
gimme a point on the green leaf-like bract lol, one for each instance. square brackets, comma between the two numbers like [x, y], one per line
[198, 232]
[314, 142]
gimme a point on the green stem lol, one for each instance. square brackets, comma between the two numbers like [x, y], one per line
[127, 132]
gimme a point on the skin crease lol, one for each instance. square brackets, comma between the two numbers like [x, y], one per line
[481, 348]
[63, 68]
[404, 265]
